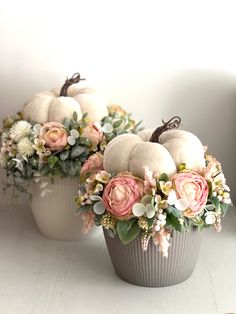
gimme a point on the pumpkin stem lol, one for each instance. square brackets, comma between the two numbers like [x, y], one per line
[73, 80]
[173, 123]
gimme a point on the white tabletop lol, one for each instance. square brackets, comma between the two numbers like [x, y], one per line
[42, 276]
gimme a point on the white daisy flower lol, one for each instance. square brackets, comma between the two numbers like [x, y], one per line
[24, 147]
[20, 130]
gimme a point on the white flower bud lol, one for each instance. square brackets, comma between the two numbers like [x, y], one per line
[163, 222]
[161, 216]
[227, 201]
[225, 195]
[158, 222]
[157, 228]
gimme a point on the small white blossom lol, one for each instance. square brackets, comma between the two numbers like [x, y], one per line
[227, 201]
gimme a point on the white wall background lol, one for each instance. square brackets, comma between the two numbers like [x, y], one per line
[157, 58]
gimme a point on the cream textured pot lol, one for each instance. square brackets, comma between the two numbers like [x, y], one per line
[149, 268]
[55, 213]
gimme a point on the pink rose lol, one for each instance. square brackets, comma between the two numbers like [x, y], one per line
[54, 134]
[121, 193]
[93, 132]
[193, 189]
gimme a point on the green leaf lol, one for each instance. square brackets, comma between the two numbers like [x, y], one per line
[64, 155]
[151, 222]
[75, 116]
[84, 141]
[127, 230]
[44, 170]
[77, 151]
[173, 221]
[224, 208]
[66, 123]
[164, 177]
[33, 162]
[84, 115]
[52, 160]
[117, 124]
[215, 202]
[174, 211]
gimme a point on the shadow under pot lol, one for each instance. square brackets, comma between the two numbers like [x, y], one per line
[149, 268]
[55, 213]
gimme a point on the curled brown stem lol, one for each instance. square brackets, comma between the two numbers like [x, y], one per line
[173, 123]
[73, 80]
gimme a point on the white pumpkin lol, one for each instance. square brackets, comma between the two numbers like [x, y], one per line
[129, 152]
[58, 104]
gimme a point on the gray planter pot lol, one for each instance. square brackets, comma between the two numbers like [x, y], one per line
[149, 268]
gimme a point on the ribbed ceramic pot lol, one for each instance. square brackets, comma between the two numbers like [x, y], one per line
[149, 268]
[55, 213]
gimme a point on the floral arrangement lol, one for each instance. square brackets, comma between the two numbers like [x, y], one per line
[128, 206]
[41, 152]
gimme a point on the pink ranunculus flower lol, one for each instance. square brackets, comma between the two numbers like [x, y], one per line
[121, 193]
[54, 134]
[93, 132]
[93, 164]
[193, 189]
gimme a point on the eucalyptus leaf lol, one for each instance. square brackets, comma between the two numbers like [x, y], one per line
[84, 115]
[77, 151]
[99, 208]
[215, 201]
[117, 124]
[75, 116]
[64, 155]
[52, 160]
[66, 123]
[147, 199]
[44, 170]
[84, 141]
[107, 128]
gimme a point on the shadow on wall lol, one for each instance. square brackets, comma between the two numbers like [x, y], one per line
[206, 102]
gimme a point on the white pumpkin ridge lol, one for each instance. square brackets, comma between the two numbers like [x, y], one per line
[58, 104]
[129, 152]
